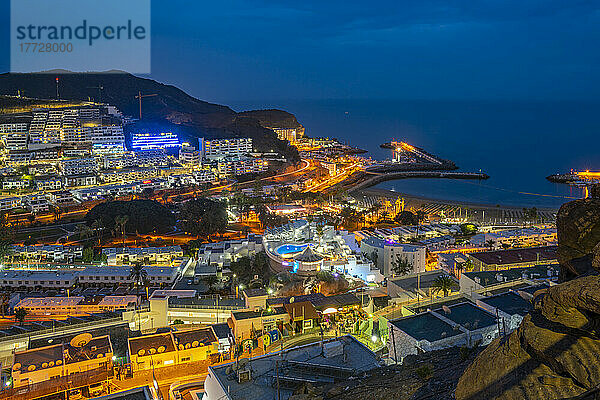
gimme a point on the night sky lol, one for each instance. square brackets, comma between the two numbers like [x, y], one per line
[465, 49]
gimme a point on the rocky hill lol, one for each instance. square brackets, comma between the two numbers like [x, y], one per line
[171, 108]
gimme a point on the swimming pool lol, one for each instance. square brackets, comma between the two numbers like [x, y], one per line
[290, 248]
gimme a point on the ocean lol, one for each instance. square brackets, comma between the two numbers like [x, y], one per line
[517, 143]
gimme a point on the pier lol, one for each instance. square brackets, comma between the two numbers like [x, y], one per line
[374, 178]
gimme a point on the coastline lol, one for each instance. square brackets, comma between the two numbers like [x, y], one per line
[481, 212]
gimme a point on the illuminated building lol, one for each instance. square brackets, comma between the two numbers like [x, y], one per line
[26, 279]
[77, 166]
[62, 360]
[222, 148]
[154, 140]
[148, 255]
[76, 305]
[47, 252]
[173, 348]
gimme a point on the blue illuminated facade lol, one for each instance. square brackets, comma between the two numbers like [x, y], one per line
[154, 140]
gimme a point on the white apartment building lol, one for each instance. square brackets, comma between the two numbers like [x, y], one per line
[48, 252]
[129, 174]
[81, 180]
[78, 166]
[107, 276]
[189, 155]
[388, 252]
[15, 182]
[8, 203]
[221, 148]
[240, 166]
[148, 255]
[16, 141]
[142, 158]
[289, 134]
[27, 279]
[36, 203]
[48, 183]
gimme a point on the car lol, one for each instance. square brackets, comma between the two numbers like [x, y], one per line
[96, 389]
[75, 394]
[190, 281]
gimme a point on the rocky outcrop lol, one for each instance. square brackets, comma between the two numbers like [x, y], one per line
[555, 353]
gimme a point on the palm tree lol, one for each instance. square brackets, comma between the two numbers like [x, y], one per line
[120, 222]
[489, 244]
[98, 225]
[139, 275]
[420, 214]
[85, 232]
[401, 266]
[444, 284]
[20, 314]
[4, 298]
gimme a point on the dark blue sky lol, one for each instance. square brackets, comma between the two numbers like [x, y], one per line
[251, 50]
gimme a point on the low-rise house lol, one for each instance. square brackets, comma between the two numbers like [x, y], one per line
[250, 324]
[415, 286]
[48, 252]
[513, 258]
[166, 255]
[471, 282]
[27, 279]
[109, 276]
[76, 305]
[48, 183]
[331, 361]
[58, 361]
[172, 348]
[509, 307]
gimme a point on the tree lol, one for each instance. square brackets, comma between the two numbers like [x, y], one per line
[406, 218]
[20, 314]
[144, 216]
[203, 217]
[420, 215]
[211, 281]
[120, 223]
[88, 254]
[56, 211]
[489, 244]
[444, 284]
[139, 275]
[401, 266]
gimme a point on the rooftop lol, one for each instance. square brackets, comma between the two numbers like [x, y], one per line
[425, 326]
[510, 302]
[239, 315]
[486, 278]
[516, 256]
[468, 316]
[300, 364]
[150, 344]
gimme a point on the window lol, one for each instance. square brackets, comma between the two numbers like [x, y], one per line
[184, 359]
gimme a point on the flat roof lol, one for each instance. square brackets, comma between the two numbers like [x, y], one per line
[425, 326]
[239, 315]
[515, 256]
[468, 316]
[510, 302]
[486, 278]
[147, 342]
[304, 363]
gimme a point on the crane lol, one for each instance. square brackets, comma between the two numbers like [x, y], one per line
[100, 89]
[140, 96]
